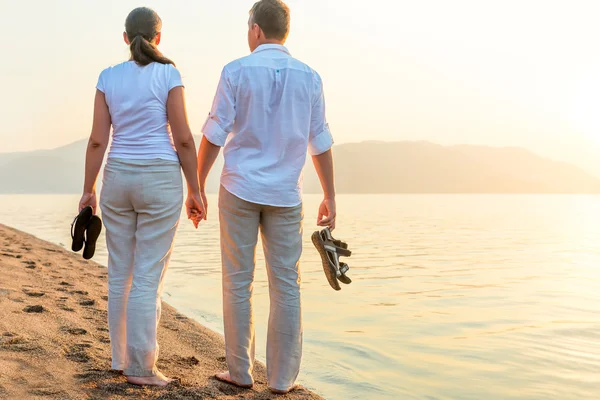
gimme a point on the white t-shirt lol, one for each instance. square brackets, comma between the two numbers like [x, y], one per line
[137, 101]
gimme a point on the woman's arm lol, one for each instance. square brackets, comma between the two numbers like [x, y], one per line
[186, 148]
[96, 149]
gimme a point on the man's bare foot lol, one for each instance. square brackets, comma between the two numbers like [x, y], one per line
[226, 377]
[293, 388]
[158, 380]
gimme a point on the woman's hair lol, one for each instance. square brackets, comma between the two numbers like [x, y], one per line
[142, 26]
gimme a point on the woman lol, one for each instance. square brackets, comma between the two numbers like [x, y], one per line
[143, 100]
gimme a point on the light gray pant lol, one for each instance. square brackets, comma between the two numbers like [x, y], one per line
[281, 230]
[141, 205]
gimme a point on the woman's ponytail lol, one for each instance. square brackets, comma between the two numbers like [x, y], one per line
[142, 26]
[144, 52]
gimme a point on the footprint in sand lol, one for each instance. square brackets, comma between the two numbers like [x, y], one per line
[73, 331]
[95, 375]
[17, 256]
[65, 284]
[47, 264]
[102, 313]
[102, 329]
[118, 388]
[105, 298]
[171, 327]
[34, 309]
[186, 361]
[104, 339]
[87, 303]
[47, 392]
[77, 353]
[228, 390]
[17, 344]
[29, 264]
[33, 294]
[81, 292]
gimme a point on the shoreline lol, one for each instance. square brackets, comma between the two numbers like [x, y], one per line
[54, 336]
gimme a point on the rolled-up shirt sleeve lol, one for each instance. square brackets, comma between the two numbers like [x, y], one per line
[221, 118]
[320, 138]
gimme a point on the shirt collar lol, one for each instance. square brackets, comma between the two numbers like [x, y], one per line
[265, 47]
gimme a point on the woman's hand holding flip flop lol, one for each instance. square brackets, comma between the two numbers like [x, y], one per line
[196, 211]
[88, 199]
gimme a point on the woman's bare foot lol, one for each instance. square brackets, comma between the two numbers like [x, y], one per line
[226, 377]
[158, 380]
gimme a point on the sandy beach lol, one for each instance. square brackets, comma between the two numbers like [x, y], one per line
[54, 341]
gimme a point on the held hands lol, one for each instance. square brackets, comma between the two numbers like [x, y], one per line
[196, 207]
[88, 199]
[327, 214]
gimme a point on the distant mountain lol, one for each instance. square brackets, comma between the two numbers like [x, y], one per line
[367, 167]
[59, 171]
[423, 167]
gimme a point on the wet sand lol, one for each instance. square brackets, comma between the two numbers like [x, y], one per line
[54, 341]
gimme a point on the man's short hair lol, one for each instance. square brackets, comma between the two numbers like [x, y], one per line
[273, 17]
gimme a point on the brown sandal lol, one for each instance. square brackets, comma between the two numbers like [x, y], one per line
[331, 250]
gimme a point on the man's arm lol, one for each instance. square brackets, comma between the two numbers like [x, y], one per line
[324, 167]
[320, 143]
[207, 156]
[216, 129]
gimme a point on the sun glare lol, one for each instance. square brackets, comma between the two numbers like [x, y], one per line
[586, 108]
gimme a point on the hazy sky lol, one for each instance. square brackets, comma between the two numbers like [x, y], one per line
[524, 73]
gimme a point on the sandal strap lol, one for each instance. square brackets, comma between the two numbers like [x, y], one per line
[343, 252]
[329, 246]
[344, 268]
[340, 246]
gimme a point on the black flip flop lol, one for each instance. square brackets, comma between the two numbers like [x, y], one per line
[94, 227]
[330, 250]
[78, 228]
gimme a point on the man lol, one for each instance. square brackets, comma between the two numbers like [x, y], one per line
[268, 111]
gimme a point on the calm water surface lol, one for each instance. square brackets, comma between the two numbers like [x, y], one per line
[454, 296]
